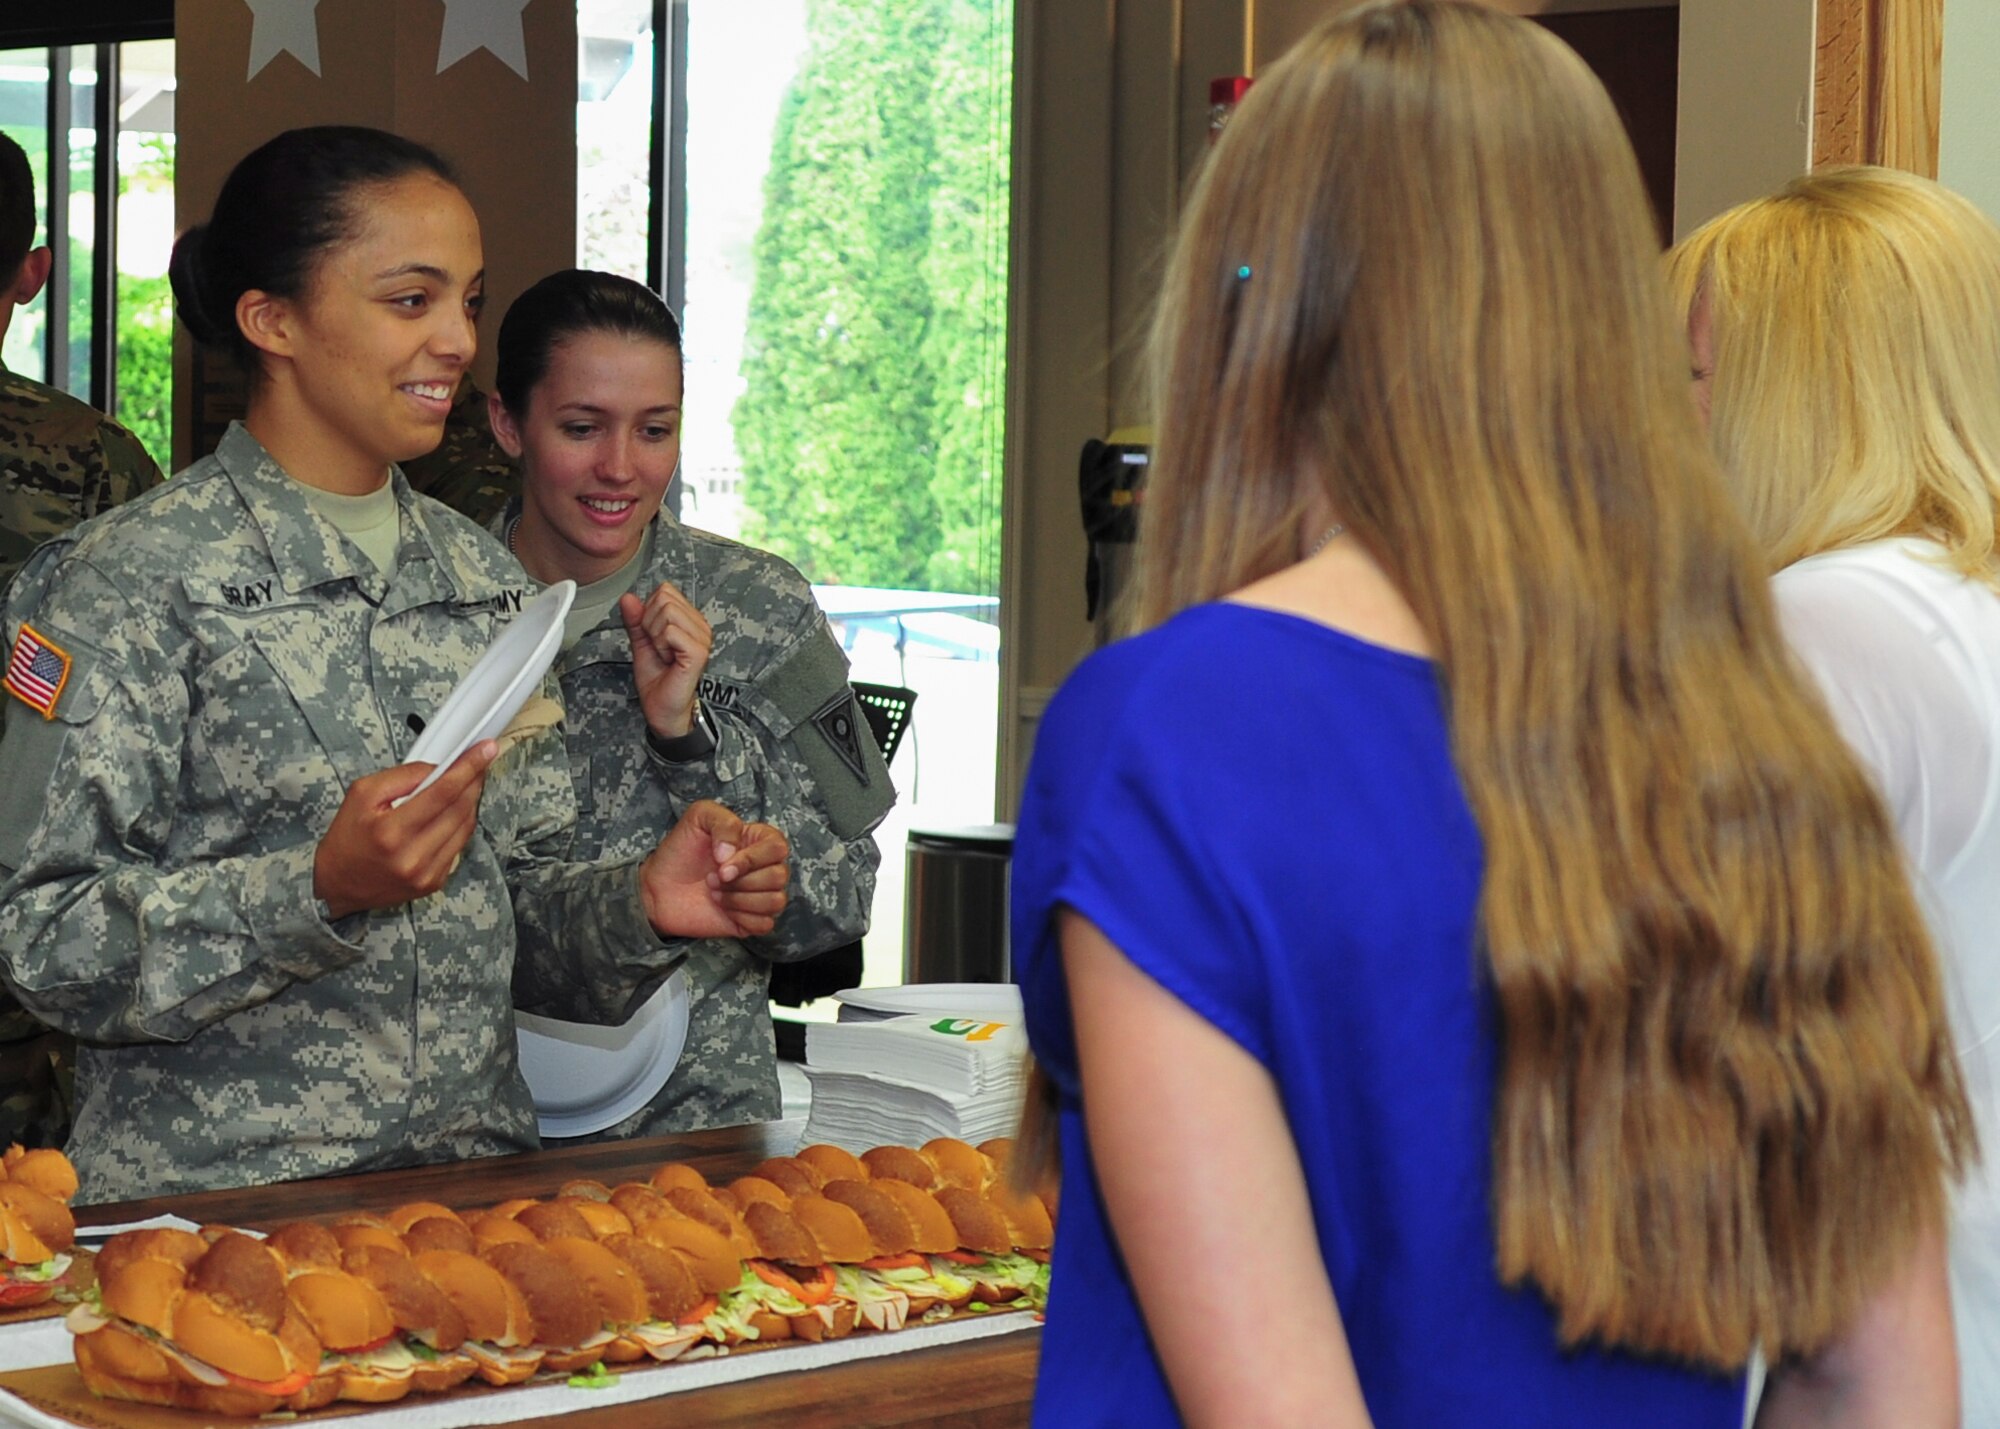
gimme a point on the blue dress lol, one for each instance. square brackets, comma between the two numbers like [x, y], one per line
[1166, 772]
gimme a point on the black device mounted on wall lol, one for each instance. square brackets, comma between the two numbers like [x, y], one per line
[1111, 478]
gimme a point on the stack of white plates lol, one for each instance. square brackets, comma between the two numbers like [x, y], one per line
[987, 1001]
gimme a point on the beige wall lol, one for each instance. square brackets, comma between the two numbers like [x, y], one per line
[1746, 80]
[513, 141]
[1969, 137]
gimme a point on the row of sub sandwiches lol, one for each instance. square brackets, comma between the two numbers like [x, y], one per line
[371, 1309]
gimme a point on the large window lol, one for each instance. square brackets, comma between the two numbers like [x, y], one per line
[824, 185]
[97, 123]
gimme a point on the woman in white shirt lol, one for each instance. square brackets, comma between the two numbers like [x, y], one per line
[1846, 343]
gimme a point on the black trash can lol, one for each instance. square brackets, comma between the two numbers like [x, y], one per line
[955, 904]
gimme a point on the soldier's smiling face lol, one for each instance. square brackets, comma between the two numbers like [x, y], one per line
[598, 446]
[385, 329]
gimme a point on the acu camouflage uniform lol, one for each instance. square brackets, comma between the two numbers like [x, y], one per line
[470, 471]
[792, 751]
[61, 462]
[235, 665]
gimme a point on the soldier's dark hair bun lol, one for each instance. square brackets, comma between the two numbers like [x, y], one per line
[184, 273]
[564, 305]
[282, 207]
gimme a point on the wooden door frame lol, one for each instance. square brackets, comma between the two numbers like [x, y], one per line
[1876, 83]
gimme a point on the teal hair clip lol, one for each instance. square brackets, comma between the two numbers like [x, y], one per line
[1243, 274]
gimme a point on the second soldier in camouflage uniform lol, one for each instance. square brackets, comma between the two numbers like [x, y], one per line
[783, 739]
[61, 462]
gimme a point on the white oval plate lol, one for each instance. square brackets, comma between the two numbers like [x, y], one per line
[994, 1001]
[585, 1078]
[482, 704]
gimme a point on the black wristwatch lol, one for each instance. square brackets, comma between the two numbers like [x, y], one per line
[698, 743]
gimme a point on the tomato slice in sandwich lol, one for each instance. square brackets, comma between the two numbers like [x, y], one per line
[700, 1312]
[815, 1289]
[818, 1289]
[909, 1261]
[19, 1292]
[962, 1257]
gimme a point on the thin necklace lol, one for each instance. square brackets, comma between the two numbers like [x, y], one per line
[1320, 545]
[513, 529]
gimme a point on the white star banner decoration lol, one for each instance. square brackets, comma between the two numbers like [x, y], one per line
[492, 25]
[279, 26]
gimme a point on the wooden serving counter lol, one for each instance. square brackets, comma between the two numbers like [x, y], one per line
[982, 1383]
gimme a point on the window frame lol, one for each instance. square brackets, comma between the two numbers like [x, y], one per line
[101, 25]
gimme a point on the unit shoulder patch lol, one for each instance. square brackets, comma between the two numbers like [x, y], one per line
[839, 724]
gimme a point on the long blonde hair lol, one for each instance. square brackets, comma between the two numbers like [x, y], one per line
[1418, 280]
[1855, 315]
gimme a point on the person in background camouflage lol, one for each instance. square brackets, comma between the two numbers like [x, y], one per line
[470, 472]
[61, 462]
[216, 867]
[700, 668]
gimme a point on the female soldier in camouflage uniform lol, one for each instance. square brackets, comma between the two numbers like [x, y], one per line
[277, 969]
[697, 667]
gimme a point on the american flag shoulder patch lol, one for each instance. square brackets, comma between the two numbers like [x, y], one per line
[37, 671]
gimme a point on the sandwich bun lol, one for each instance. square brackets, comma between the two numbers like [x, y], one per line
[900, 1163]
[511, 1209]
[999, 1150]
[344, 1311]
[305, 1245]
[620, 1293]
[498, 1327]
[790, 1175]
[769, 1326]
[712, 1211]
[583, 1190]
[670, 1285]
[979, 1223]
[930, 1223]
[491, 1308]
[494, 1229]
[43, 1169]
[244, 1278]
[34, 1226]
[117, 1364]
[890, 1230]
[437, 1233]
[1028, 1223]
[675, 1174]
[603, 1218]
[841, 1235]
[551, 1220]
[837, 1322]
[780, 1237]
[640, 1203]
[217, 1335]
[745, 1189]
[410, 1212]
[710, 1256]
[833, 1163]
[141, 1273]
[564, 1312]
[417, 1307]
[354, 1234]
[958, 1163]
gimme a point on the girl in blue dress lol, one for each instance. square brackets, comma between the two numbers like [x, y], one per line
[1476, 983]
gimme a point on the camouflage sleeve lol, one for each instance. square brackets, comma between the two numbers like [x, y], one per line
[584, 948]
[129, 470]
[97, 935]
[796, 753]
